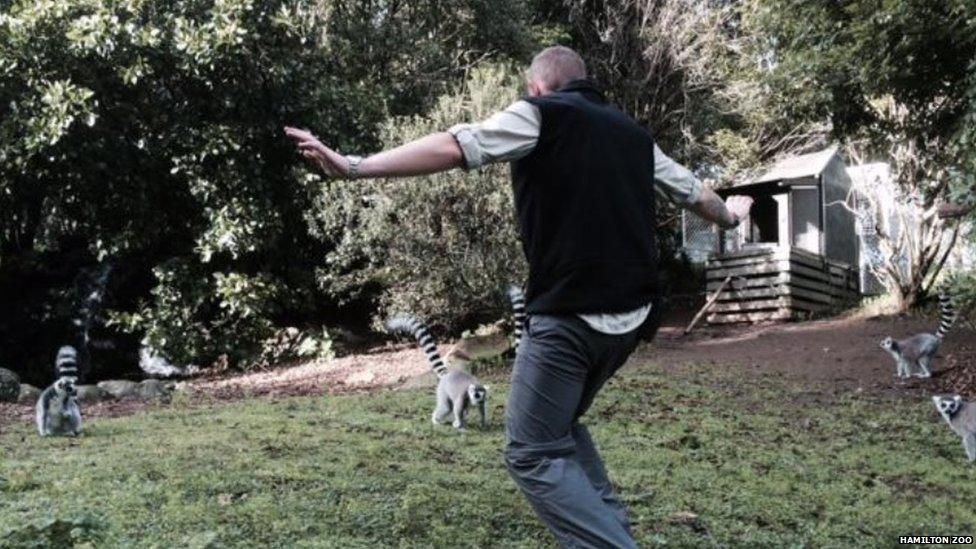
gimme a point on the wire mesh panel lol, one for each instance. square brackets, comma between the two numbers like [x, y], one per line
[699, 238]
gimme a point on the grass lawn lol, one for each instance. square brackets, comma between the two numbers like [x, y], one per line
[704, 457]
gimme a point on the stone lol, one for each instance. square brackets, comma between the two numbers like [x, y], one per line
[92, 393]
[348, 337]
[151, 389]
[120, 388]
[9, 386]
[28, 394]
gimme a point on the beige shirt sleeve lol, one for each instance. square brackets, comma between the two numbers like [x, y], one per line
[674, 181]
[512, 134]
[506, 136]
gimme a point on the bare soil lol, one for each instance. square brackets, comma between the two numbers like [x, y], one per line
[842, 353]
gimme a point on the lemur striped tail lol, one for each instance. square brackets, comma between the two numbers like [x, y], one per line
[66, 363]
[947, 314]
[517, 298]
[412, 325]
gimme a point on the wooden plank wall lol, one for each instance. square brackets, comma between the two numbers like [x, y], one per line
[778, 284]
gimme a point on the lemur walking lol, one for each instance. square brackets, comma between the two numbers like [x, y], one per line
[57, 411]
[457, 390]
[920, 349]
[961, 417]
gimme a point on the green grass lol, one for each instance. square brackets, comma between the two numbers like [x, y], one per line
[758, 461]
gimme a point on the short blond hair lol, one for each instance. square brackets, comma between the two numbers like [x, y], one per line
[556, 66]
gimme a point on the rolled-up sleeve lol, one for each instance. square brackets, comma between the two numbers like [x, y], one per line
[674, 181]
[505, 136]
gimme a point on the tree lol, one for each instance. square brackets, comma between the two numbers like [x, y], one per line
[148, 134]
[910, 240]
[442, 246]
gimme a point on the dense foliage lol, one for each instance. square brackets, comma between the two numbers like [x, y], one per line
[148, 134]
[443, 246]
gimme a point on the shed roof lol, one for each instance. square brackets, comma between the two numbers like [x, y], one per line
[796, 167]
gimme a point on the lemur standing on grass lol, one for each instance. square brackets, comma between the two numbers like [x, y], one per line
[456, 389]
[961, 417]
[57, 411]
[920, 349]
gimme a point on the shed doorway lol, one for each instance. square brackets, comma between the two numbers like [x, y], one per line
[806, 219]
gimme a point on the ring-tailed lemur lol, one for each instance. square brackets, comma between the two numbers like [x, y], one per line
[920, 349]
[961, 417]
[457, 390]
[57, 411]
[517, 297]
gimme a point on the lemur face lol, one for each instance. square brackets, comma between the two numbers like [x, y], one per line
[887, 343]
[947, 405]
[477, 394]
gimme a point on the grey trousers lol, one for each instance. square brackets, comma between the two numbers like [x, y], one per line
[560, 366]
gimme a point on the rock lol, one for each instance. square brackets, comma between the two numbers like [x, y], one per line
[9, 386]
[91, 393]
[28, 394]
[683, 517]
[348, 337]
[120, 388]
[151, 389]
[155, 364]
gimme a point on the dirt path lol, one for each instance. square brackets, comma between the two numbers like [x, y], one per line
[843, 351]
[840, 352]
[388, 366]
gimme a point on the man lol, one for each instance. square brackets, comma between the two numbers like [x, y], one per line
[584, 177]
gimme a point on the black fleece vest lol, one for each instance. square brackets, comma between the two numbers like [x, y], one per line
[585, 204]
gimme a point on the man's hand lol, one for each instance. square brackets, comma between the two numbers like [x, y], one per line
[329, 161]
[738, 206]
[726, 214]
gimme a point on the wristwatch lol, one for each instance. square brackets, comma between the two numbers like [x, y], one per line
[354, 162]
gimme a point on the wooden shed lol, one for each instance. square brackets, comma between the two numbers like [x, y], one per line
[795, 256]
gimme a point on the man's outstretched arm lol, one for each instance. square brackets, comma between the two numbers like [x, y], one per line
[727, 214]
[677, 184]
[436, 152]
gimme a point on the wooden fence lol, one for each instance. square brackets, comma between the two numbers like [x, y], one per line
[778, 284]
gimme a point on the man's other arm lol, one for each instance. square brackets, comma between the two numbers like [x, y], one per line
[682, 188]
[727, 214]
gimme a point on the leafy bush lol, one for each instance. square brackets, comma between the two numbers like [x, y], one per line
[442, 246]
[149, 134]
[234, 303]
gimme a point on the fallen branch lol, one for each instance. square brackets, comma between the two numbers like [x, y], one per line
[708, 304]
[950, 211]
